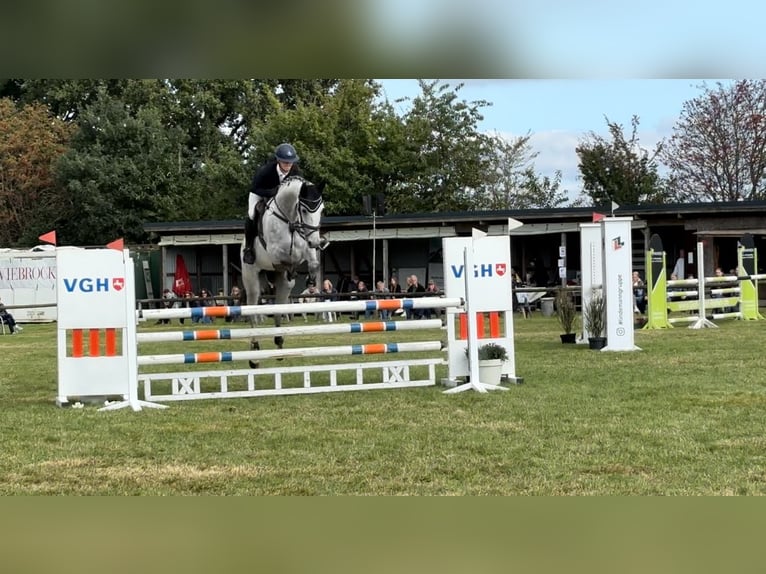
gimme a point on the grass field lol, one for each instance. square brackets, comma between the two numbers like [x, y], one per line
[682, 417]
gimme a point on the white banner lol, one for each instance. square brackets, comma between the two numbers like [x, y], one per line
[23, 272]
[29, 278]
[618, 283]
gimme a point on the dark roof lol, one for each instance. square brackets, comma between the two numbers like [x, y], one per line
[337, 222]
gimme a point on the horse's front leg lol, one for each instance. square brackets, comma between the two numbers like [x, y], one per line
[253, 288]
[284, 285]
[315, 269]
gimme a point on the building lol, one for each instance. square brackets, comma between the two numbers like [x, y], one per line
[376, 247]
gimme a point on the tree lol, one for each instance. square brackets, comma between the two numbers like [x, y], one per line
[542, 192]
[31, 140]
[620, 170]
[445, 158]
[718, 148]
[511, 181]
[344, 136]
[122, 169]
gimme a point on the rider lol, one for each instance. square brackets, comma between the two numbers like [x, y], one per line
[265, 185]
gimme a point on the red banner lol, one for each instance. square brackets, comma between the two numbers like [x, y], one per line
[182, 281]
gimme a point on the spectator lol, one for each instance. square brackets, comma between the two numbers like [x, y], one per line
[381, 292]
[8, 319]
[329, 294]
[431, 291]
[715, 286]
[167, 294]
[235, 300]
[309, 295]
[206, 300]
[639, 294]
[679, 269]
[364, 295]
[414, 286]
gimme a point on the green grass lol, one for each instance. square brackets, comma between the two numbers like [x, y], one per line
[682, 417]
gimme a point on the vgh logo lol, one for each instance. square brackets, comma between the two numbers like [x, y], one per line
[481, 270]
[91, 284]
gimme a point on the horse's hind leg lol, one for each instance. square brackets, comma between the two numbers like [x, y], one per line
[252, 284]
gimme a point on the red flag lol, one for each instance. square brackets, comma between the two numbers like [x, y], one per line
[117, 244]
[182, 281]
[598, 217]
[49, 237]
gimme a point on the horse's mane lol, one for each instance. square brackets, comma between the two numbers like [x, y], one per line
[293, 181]
[308, 196]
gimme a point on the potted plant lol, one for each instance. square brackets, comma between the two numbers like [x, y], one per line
[594, 317]
[567, 315]
[491, 359]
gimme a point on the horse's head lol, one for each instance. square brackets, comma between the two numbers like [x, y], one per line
[299, 203]
[310, 207]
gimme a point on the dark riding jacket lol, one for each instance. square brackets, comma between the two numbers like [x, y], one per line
[266, 179]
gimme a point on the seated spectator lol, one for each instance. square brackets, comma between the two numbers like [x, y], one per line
[393, 286]
[715, 286]
[206, 300]
[8, 319]
[166, 304]
[414, 286]
[309, 295]
[188, 302]
[363, 294]
[431, 291]
[235, 300]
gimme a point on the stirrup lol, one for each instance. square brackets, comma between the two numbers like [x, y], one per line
[248, 256]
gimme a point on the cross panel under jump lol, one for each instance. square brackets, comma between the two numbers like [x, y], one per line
[192, 385]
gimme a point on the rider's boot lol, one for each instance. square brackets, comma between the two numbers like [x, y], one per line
[251, 232]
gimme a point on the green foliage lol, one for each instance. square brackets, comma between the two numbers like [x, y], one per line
[490, 351]
[565, 311]
[183, 149]
[594, 315]
[444, 156]
[620, 170]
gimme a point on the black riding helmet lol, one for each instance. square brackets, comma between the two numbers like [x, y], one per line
[285, 152]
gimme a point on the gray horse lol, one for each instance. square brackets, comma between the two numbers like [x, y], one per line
[289, 237]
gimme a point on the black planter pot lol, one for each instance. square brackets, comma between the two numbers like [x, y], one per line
[568, 337]
[596, 343]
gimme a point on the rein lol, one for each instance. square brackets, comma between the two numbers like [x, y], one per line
[296, 225]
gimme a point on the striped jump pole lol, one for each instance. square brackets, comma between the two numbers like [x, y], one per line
[224, 357]
[293, 308]
[336, 328]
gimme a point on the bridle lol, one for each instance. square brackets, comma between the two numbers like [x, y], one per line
[297, 225]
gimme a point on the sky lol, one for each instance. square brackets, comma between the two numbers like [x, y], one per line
[558, 114]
